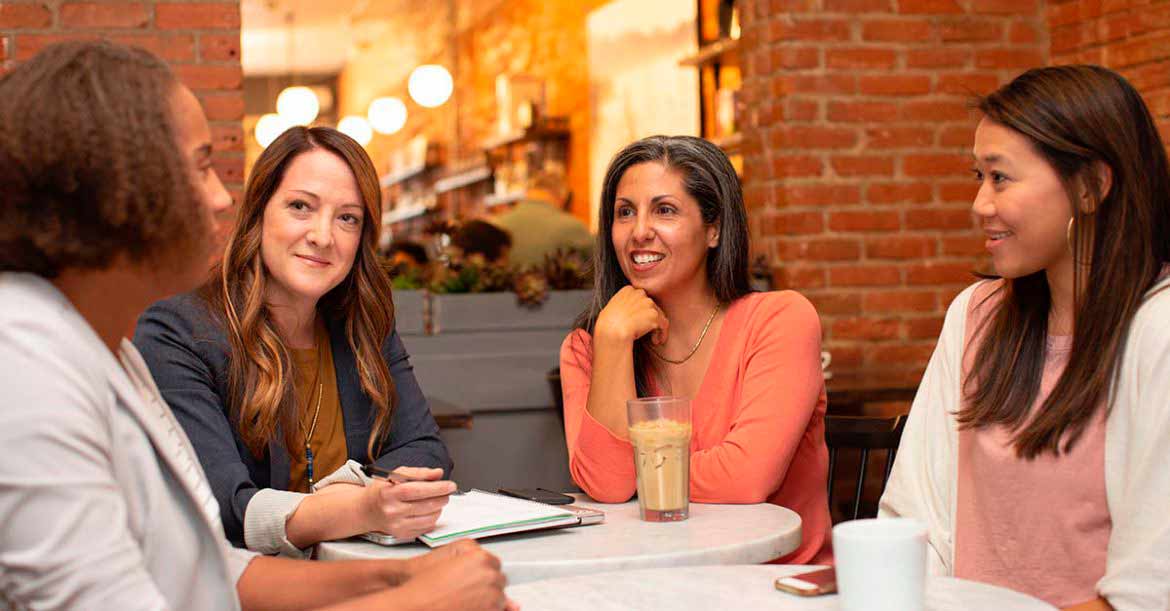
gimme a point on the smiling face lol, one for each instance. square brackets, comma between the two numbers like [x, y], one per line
[312, 229]
[658, 232]
[1022, 204]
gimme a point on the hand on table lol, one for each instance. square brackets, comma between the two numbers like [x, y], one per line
[458, 576]
[409, 509]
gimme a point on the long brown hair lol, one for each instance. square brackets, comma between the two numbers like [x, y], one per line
[90, 166]
[1076, 118]
[260, 380]
[709, 177]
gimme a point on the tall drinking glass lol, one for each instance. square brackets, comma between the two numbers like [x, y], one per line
[660, 429]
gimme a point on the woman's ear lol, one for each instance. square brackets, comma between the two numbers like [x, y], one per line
[713, 235]
[1098, 177]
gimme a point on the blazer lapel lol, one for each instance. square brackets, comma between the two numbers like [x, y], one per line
[349, 391]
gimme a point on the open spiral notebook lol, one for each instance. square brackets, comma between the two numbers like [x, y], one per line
[478, 514]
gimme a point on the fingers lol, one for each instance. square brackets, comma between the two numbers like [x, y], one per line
[420, 473]
[417, 491]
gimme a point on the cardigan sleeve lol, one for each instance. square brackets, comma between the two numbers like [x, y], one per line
[922, 484]
[781, 385]
[601, 463]
[65, 542]
[414, 436]
[252, 517]
[1137, 564]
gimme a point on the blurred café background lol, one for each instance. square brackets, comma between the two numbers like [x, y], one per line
[848, 120]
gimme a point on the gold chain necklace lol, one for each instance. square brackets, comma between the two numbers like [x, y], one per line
[312, 427]
[697, 344]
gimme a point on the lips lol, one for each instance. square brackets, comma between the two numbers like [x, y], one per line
[995, 238]
[314, 261]
[645, 260]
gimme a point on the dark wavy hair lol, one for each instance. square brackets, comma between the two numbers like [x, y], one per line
[1076, 118]
[260, 371]
[90, 164]
[709, 177]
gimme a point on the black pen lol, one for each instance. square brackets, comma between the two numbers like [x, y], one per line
[385, 475]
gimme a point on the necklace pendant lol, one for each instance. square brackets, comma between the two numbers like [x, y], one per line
[309, 464]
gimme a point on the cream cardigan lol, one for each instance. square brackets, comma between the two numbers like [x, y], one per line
[1137, 457]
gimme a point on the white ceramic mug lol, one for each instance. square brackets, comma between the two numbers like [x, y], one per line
[881, 564]
[826, 360]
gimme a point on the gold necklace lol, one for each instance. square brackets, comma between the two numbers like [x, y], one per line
[312, 427]
[697, 344]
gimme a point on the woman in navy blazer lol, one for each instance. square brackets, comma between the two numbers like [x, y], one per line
[299, 273]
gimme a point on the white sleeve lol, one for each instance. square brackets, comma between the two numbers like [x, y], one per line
[64, 540]
[922, 483]
[1137, 467]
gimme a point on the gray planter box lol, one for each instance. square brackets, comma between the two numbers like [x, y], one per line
[409, 307]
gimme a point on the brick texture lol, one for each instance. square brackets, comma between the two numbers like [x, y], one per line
[201, 41]
[1130, 36]
[857, 149]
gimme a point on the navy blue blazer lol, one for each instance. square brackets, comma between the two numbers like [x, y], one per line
[187, 351]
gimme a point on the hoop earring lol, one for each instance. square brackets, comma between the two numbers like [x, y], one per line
[1068, 234]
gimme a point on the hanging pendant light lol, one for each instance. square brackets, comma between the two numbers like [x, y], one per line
[387, 115]
[298, 105]
[357, 128]
[430, 85]
[269, 127]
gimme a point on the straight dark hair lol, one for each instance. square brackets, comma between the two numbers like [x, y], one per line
[709, 177]
[1076, 118]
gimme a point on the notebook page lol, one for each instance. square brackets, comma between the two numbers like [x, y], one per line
[479, 511]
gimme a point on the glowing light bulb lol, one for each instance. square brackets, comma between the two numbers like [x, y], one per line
[269, 127]
[357, 128]
[387, 115]
[430, 85]
[298, 105]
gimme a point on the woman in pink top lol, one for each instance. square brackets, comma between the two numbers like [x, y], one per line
[1037, 446]
[673, 314]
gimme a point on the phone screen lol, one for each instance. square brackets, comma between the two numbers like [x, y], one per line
[822, 581]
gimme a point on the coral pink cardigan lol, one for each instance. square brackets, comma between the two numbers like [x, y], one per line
[759, 432]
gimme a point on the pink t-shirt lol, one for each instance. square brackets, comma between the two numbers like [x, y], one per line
[1042, 526]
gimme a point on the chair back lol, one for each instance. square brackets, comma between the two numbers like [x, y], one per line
[867, 434]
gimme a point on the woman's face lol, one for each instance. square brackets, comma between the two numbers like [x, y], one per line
[312, 228]
[1022, 204]
[658, 232]
[194, 140]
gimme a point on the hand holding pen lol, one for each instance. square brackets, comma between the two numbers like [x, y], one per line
[405, 502]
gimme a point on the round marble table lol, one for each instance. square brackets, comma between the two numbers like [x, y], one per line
[713, 535]
[742, 587]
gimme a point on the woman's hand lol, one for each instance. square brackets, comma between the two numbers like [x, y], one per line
[406, 510]
[629, 315]
[458, 576]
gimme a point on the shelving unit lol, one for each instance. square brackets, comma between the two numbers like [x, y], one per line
[720, 76]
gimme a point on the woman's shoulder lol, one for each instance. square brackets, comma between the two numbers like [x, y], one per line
[1151, 322]
[777, 307]
[186, 316]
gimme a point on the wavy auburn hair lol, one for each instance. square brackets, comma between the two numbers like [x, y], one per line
[260, 368]
[1077, 118]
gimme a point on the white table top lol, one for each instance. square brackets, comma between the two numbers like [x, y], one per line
[740, 587]
[713, 534]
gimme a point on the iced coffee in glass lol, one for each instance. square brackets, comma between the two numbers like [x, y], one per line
[660, 430]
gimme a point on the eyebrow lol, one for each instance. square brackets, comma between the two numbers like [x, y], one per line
[309, 193]
[653, 200]
[992, 158]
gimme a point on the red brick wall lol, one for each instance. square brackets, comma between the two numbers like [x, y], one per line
[857, 157]
[1131, 36]
[201, 40]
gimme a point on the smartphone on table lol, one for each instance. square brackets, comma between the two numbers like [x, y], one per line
[540, 495]
[815, 583]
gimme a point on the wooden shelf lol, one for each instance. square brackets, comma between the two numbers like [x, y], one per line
[463, 179]
[398, 215]
[711, 52]
[551, 131]
[404, 174]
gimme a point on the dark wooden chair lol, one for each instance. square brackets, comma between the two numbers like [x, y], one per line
[554, 386]
[867, 434]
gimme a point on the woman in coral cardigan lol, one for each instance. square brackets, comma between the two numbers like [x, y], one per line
[673, 314]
